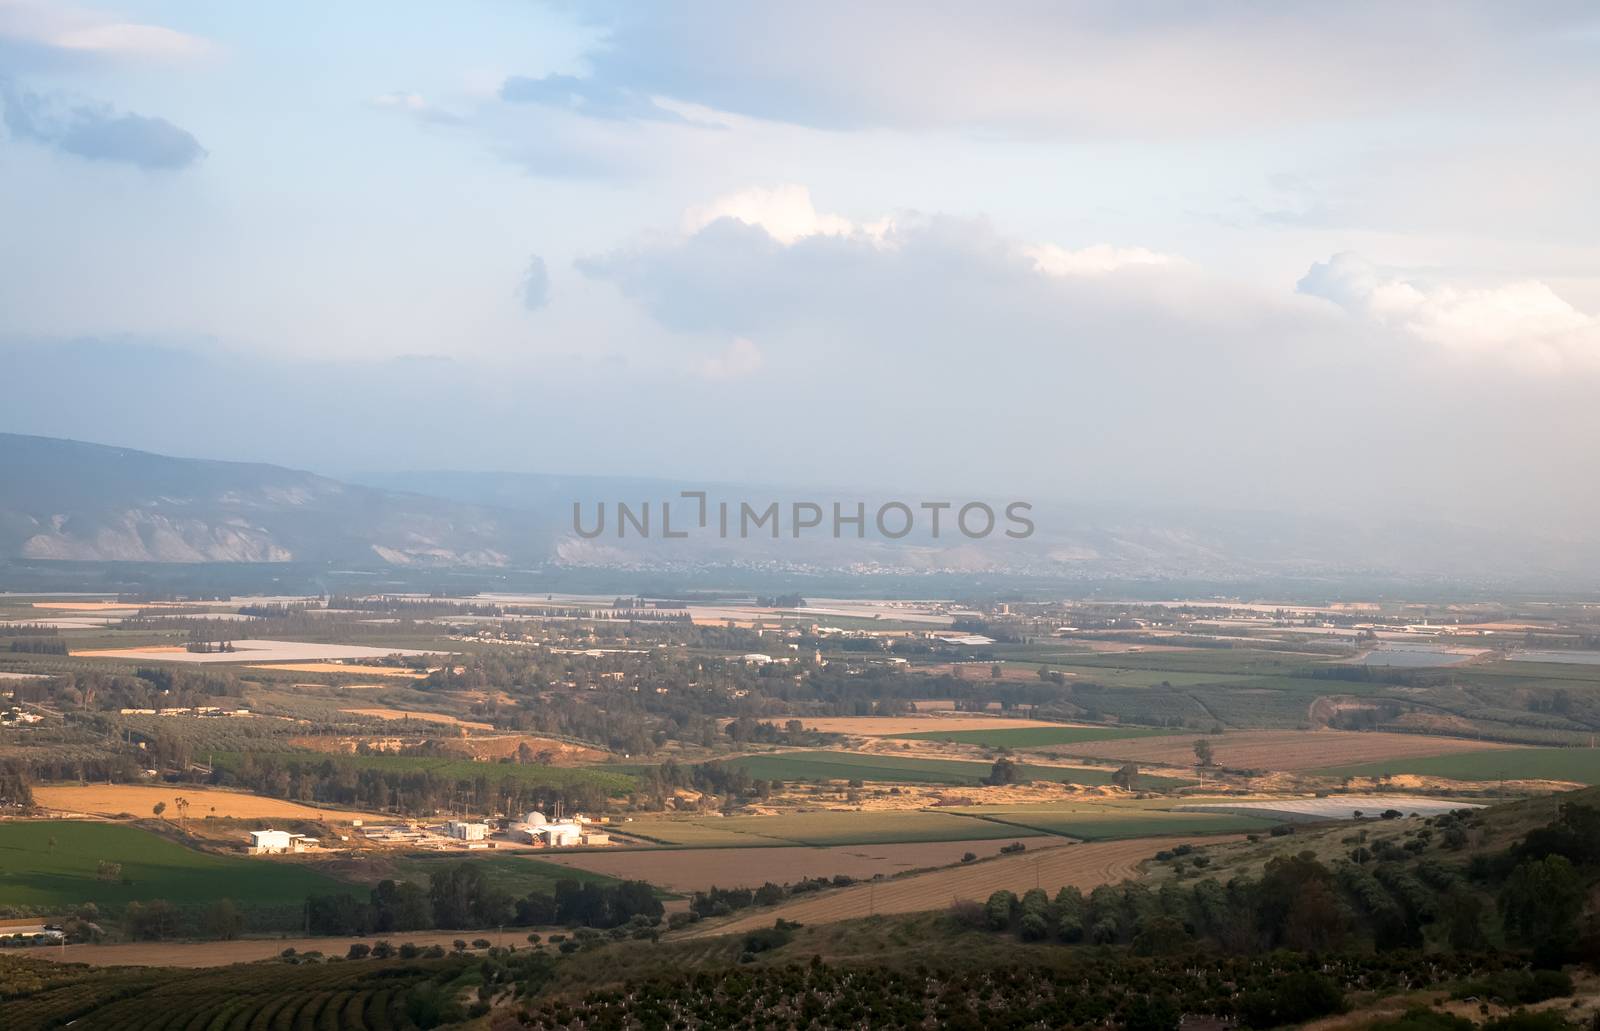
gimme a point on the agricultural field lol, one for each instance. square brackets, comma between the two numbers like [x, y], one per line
[1113, 822]
[1034, 737]
[817, 828]
[1574, 765]
[370, 994]
[690, 870]
[1083, 865]
[251, 650]
[1338, 807]
[894, 769]
[609, 781]
[139, 800]
[55, 863]
[1282, 750]
[402, 715]
[897, 726]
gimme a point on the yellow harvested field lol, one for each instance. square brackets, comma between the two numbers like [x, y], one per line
[254, 649]
[341, 667]
[140, 799]
[1283, 750]
[135, 653]
[1085, 866]
[882, 726]
[426, 717]
[696, 869]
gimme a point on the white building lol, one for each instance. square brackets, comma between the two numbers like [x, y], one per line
[467, 831]
[561, 835]
[263, 842]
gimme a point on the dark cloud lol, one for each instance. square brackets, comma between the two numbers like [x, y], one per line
[535, 285]
[97, 132]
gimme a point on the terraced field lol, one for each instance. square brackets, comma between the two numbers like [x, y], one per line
[1577, 765]
[1084, 866]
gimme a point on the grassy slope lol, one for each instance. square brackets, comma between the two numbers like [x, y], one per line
[35, 873]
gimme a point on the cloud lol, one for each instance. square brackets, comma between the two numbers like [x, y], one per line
[1067, 69]
[1052, 260]
[1522, 324]
[741, 359]
[535, 285]
[765, 258]
[587, 97]
[413, 105]
[68, 30]
[98, 132]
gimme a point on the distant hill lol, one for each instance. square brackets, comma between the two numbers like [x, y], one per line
[62, 499]
[66, 500]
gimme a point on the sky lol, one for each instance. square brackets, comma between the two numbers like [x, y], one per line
[1292, 257]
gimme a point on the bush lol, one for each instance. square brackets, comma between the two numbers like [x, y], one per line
[358, 950]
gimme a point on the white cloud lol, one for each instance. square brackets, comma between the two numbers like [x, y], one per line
[785, 212]
[93, 32]
[1051, 260]
[413, 104]
[742, 358]
[1523, 323]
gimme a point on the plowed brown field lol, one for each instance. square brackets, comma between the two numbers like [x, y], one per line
[1085, 866]
[696, 869]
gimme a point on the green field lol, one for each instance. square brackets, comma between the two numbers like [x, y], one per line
[609, 780]
[823, 828]
[1034, 737]
[54, 863]
[1581, 765]
[1106, 823]
[790, 766]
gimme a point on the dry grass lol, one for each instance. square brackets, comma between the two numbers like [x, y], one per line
[342, 667]
[113, 799]
[313, 658]
[1085, 866]
[1286, 750]
[883, 726]
[426, 717]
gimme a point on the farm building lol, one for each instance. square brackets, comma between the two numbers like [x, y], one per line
[262, 842]
[273, 842]
[465, 831]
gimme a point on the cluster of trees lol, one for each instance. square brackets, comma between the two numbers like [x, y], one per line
[1091, 990]
[722, 901]
[461, 896]
[419, 792]
[1388, 897]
